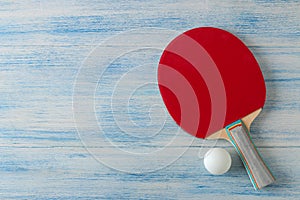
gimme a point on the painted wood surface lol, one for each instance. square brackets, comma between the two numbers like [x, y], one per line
[43, 45]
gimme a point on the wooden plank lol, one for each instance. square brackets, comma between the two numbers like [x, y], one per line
[43, 45]
[71, 172]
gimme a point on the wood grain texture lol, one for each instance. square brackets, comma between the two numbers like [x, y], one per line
[42, 46]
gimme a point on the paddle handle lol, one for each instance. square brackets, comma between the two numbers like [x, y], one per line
[260, 175]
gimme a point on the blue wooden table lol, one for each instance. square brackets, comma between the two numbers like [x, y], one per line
[81, 116]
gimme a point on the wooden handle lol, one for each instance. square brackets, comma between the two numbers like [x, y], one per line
[259, 173]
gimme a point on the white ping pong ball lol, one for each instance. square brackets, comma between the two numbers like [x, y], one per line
[217, 161]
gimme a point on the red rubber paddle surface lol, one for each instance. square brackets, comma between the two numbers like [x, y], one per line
[208, 79]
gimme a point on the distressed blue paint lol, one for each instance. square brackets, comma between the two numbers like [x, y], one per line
[42, 45]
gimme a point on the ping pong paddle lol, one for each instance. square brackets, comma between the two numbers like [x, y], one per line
[213, 88]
